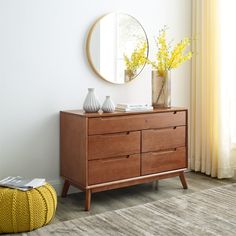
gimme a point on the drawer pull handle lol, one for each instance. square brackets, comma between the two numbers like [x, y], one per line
[115, 134]
[115, 158]
[174, 112]
[174, 127]
[164, 152]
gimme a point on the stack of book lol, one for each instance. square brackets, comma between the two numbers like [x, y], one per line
[129, 107]
[21, 183]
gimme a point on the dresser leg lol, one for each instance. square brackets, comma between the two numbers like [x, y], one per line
[155, 184]
[183, 180]
[88, 199]
[65, 188]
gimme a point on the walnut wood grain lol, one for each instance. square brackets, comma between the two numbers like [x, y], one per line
[163, 139]
[65, 188]
[102, 151]
[102, 114]
[87, 199]
[111, 145]
[105, 125]
[116, 168]
[165, 119]
[134, 181]
[73, 148]
[183, 180]
[156, 162]
[187, 138]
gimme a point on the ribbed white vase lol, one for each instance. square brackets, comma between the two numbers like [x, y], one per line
[91, 103]
[108, 105]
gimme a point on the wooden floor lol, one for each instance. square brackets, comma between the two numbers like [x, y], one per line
[73, 206]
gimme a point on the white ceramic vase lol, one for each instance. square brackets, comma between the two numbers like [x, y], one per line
[91, 103]
[108, 105]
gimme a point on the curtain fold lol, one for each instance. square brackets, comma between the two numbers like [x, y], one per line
[207, 154]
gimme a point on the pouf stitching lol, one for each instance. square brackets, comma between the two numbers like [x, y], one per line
[14, 223]
[45, 203]
[50, 190]
[45, 194]
[30, 204]
[1, 197]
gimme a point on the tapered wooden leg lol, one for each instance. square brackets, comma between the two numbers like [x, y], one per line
[65, 188]
[155, 184]
[87, 200]
[183, 180]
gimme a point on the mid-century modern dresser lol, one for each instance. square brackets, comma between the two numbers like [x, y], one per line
[102, 151]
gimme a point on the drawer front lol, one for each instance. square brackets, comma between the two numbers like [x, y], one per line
[162, 139]
[112, 145]
[105, 125]
[111, 169]
[156, 162]
[166, 119]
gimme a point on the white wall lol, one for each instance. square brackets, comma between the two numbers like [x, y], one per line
[43, 70]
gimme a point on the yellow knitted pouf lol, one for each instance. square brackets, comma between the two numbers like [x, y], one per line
[25, 211]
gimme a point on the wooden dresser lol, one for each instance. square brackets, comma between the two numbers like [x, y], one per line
[102, 151]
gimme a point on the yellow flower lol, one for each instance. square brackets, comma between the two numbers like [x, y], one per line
[137, 59]
[167, 60]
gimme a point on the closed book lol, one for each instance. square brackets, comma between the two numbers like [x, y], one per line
[132, 105]
[150, 108]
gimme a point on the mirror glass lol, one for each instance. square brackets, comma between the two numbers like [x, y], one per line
[117, 48]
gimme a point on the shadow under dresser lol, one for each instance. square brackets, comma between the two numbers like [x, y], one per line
[102, 151]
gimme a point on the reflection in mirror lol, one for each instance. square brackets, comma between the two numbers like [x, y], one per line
[117, 47]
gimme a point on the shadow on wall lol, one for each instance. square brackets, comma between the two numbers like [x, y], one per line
[32, 148]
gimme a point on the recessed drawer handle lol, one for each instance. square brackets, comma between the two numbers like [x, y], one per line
[174, 112]
[164, 152]
[174, 127]
[115, 134]
[113, 119]
[115, 158]
[105, 118]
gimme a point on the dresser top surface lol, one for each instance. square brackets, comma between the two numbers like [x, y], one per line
[102, 114]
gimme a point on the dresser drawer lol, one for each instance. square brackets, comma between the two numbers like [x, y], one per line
[165, 119]
[106, 125]
[111, 145]
[111, 169]
[155, 162]
[132, 122]
[162, 139]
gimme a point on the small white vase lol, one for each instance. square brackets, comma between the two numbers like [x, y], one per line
[91, 103]
[108, 105]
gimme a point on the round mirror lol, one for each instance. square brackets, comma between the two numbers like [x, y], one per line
[117, 48]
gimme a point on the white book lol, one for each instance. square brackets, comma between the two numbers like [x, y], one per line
[133, 109]
[132, 105]
[22, 183]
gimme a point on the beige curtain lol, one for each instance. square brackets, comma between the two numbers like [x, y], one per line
[206, 150]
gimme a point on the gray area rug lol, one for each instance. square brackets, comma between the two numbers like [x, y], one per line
[210, 212]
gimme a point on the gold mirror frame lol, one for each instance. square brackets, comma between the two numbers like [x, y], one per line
[88, 53]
